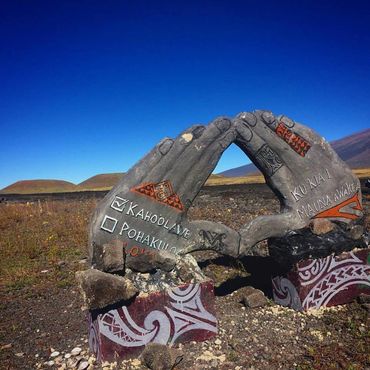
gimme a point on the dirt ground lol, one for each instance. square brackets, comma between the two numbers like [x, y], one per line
[43, 244]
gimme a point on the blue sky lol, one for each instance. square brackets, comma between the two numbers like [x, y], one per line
[89, 87]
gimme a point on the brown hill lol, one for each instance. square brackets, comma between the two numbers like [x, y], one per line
[101, 181]
[108, 180]
[39, 186]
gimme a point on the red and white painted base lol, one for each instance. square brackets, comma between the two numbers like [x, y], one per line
[185, 313]
[324, 282]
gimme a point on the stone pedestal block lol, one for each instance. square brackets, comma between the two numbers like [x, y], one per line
[182, 314]
[324, 282]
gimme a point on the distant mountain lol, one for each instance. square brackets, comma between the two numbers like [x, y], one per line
[353, 149]
[39, 186]
[104, 180]
[245, 170]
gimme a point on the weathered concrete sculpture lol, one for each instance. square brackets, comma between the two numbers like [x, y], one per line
[147, 209]
[140, 230]
[321, 213]
[311, 182]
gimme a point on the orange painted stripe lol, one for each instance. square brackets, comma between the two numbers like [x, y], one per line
[336, 211]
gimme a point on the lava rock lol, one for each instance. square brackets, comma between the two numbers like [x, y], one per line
[320, 226]
[112, 257]
[100, 289]
[356, 232]
[253, 298]
[147, 262]
[158, 357]
[187, 270]
[304, 244]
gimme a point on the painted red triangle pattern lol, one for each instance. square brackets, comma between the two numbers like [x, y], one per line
[151, 190]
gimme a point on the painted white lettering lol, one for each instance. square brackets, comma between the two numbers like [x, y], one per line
[131, 208]
[131, 233]
[153, 243]
[139, 236]
[296, 195]
[154, 219]
[146, 240]
[147, 216]
[124, 228]
[140, 214]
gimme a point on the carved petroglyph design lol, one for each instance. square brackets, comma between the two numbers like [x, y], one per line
[295, 141]
[212, 240]
[118, 326]
[162, 192]
[94, 343]
[285, 293]
[312, 272]
[321, 280]
[337, 276]
[345, 209]
[186, 313]
[269, 159]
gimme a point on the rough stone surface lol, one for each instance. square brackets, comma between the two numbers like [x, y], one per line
[320, 226]
[364, 298]
[112, 257]
[303, 170]
[356, 232]
[324, 282]
[252, 297]
[186, 270]
[158, 357]
[165, 261]
[303, 244]
[100, 289]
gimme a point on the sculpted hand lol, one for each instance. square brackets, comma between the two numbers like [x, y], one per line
[302, 169]
[147, 209]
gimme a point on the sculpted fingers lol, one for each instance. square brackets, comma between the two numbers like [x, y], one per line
[287, 136]
[196, 163]
[258, 150]
[279, 134]
[171, 151]
[318, 183]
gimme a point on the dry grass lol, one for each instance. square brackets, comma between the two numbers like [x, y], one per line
[35, 237]
[362, 173]
[252, 179]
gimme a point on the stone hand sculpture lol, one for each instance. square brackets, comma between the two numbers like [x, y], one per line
[302, 169]
[147, 209]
